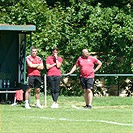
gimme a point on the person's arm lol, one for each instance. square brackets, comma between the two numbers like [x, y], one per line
[99, 64]
[30, 64]
[72, 70]
[40, 66]
[58, 64]
[48, 66]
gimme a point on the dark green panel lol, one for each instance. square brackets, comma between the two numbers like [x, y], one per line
[9, 54]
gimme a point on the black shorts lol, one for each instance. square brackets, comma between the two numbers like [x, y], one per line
[34, 81]
[87, 83]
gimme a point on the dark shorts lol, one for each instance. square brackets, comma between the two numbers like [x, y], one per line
[87, 83]
[34, 81]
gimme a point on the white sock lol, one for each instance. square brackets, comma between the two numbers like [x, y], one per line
[26, 101]
[38, 102]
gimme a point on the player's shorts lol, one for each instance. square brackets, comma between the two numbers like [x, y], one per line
[87, 83]
[34, 81]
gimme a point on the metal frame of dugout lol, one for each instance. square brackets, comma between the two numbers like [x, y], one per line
[13, 39]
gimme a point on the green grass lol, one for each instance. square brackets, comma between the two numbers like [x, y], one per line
[108, 115]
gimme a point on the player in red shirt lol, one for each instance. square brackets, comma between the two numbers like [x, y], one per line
[35, 65]
[53, 64]
[87, 70]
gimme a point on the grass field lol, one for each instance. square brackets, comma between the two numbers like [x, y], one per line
[108, 115]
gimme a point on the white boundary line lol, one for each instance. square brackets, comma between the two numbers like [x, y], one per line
[75, 107]
[81, 108]
[98, 121]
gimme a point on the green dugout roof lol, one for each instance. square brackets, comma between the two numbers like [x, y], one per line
[24, 28]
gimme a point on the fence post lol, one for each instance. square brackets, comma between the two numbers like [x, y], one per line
[45, 90]
[118, 85]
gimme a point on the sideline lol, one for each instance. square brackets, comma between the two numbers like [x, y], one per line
[80, 108]
[72, 120]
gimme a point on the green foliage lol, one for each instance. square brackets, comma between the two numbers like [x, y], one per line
[104, 27]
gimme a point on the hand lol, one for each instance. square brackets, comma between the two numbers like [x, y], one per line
[67, 74]
[55, 55]
[95, 70]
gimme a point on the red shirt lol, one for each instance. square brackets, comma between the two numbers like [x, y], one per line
[34, 60]
[54, 71]
[86, 66]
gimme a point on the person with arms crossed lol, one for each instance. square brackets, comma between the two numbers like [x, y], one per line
[35, 65]
[86, 64]
[53, 64]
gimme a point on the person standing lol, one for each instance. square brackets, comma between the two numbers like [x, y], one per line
[35, 65]
[87, 70]
[53, 64]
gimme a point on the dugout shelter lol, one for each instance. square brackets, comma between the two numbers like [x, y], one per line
[13, 42]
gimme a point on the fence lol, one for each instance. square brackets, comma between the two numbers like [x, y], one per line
[99, 75]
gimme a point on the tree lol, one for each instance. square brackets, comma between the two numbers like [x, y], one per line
[103, 27]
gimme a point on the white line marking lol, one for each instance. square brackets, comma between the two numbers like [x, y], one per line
[99, 121]
[79, 108]
[75, 107]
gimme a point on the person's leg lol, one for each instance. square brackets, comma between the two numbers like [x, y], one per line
[37, 91]
[37, 96]
[86, 97]
[90, 97]
[57, 85]
[27, 93]
[51, 81]
[52, 85]
[84, 87]
[89, 93]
